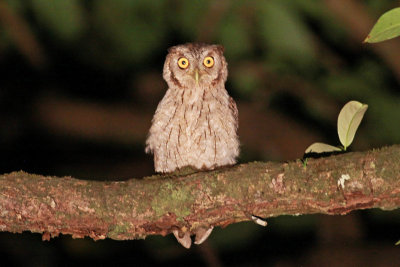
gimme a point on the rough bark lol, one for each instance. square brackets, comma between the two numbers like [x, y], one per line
[158, 204]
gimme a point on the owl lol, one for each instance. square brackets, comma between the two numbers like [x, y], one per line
[196, 122]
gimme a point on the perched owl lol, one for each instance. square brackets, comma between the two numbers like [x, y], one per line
[196, 122]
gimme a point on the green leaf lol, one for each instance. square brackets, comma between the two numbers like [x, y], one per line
[387, 27]
[348, 121]
[321, 148]
[397, 243]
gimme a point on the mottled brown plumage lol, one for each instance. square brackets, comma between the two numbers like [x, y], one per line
[196, 122]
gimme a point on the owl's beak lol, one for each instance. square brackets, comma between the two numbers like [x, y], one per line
[196, 75]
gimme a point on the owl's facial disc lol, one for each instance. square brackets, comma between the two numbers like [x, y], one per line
[196, 70]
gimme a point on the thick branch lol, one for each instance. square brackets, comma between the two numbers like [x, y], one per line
[158, 204]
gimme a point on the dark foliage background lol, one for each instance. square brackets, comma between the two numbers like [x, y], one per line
[80, 80]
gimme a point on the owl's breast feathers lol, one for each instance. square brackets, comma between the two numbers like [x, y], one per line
[196, 127]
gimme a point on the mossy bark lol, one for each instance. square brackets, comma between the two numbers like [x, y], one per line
[186, 201]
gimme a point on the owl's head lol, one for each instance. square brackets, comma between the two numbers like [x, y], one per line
[195, 65]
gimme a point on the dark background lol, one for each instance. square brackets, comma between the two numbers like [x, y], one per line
[80, 81]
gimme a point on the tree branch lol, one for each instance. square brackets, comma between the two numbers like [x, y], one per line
[186, 201]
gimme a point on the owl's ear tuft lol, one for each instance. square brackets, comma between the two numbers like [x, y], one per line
[172, 49]
[220, 48]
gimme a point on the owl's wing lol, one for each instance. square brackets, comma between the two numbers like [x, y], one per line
[235, 112]
[162, 117]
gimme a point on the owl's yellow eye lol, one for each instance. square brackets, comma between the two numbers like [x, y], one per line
[183, 63]
[208, 62]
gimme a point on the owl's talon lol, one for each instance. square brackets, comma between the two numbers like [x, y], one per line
[185, 240]
[202, 234]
